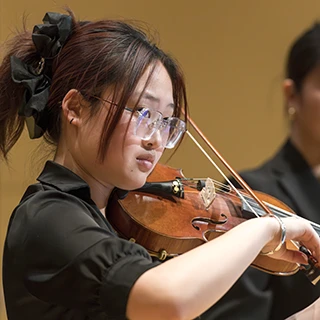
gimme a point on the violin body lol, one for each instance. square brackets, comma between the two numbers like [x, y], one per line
[168, 226]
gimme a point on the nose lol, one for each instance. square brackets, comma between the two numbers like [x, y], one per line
[154, 142]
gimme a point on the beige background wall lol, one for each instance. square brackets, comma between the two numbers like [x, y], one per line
[232, 52]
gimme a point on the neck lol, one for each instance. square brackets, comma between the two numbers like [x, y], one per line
[99, 192]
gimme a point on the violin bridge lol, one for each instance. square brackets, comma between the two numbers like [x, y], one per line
[208, 193]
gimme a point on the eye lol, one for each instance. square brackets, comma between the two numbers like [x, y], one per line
[168, 115]
[164, 123]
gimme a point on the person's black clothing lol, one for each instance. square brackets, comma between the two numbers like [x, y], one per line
[62, 260]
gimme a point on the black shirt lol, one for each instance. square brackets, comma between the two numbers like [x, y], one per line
[62, 260]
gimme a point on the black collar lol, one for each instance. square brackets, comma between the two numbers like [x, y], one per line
[289, 159]
[63, 179]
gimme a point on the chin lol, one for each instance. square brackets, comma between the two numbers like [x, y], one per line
[131, 184]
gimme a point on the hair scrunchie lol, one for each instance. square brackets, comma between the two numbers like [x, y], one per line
[48, 39]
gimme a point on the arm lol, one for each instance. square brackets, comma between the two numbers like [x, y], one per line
[184, 287]
[68, 260]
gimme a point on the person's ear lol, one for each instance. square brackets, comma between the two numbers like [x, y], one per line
[291, 97]
[72, 107]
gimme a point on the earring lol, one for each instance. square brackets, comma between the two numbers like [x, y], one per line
[291, 113]
[71, 120]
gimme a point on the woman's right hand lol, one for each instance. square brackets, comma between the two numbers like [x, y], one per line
[299, 231]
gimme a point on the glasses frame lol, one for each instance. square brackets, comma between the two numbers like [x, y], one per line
[160, 124]
[181, 127]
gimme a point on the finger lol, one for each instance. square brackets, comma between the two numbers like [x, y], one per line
[303, 232]
[291, 256]
[313, 248]
[311, 241]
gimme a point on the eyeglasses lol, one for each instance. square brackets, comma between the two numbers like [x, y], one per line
[149, 122]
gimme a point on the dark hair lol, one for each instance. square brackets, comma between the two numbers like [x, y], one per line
[97, 55]
[304, 55]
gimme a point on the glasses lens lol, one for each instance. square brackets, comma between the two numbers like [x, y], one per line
[171, 132]
[150, 121]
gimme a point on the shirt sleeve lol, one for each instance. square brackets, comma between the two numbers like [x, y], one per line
[66, 258]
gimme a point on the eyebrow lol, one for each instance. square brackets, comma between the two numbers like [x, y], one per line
[151, 97]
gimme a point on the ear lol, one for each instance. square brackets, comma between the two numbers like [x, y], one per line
[290, 93]
[72, 106]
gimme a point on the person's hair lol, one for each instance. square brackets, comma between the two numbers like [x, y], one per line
[303, 55]
[97, 55]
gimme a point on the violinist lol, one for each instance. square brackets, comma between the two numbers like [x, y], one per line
[111, 101]
[292, 175]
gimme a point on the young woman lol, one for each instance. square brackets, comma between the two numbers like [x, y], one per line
[110, 100]
[292, 176]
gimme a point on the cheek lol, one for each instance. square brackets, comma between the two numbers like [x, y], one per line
[308, 118]
[123, 149]
[310, 106]
[310, 98]
[89, 140]
[122, 139]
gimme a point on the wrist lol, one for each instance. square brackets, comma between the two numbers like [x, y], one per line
[278, 235]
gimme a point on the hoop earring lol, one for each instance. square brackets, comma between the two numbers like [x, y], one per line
[71, 120]
[291, 113]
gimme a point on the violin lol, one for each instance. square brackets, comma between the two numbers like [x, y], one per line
[169, 216]
[172, 214]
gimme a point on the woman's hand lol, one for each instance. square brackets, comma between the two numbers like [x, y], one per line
[299, 231]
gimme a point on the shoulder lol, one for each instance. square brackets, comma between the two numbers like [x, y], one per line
[39, 203]
[267, 172]
[43, 196]
[45, 216]
[257, 178]
[265, 176]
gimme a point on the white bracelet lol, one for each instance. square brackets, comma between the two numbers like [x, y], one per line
[282, 239]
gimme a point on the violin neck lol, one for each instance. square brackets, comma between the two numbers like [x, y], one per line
[281, 213]
[312, 270]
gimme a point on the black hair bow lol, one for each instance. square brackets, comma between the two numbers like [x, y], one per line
[48, 39]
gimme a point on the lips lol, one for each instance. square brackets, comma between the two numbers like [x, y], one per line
[145, 162]
[146, 157]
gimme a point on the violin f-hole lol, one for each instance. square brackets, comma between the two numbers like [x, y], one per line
[206, 221]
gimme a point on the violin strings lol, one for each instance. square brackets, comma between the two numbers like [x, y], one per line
[242, 195]
[221, 172]
[221, 188]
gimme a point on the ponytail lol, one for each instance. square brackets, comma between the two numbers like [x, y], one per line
[11, 93]
[25, 79]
